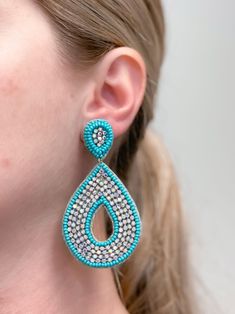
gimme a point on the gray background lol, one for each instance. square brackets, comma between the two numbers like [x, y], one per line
[195, 116]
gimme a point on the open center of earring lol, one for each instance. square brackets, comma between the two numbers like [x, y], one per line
[100, 220]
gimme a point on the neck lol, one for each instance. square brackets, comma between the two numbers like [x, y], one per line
[38, 273]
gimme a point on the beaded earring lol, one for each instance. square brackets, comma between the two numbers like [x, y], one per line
[101, 187]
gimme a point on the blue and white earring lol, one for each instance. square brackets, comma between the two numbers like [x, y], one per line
[101, 187]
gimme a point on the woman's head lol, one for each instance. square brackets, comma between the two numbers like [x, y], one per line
[63, 63]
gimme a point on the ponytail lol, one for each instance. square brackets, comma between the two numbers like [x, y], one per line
[154, 279]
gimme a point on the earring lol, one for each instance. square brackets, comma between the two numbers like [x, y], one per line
[101, 187]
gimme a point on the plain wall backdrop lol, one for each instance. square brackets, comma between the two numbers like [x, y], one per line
[195, 116]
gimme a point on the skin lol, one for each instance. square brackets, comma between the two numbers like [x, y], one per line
[44, 105]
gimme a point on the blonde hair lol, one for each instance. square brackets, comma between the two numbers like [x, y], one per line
[154, 279]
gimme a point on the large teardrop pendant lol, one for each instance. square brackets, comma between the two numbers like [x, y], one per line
[101, 187]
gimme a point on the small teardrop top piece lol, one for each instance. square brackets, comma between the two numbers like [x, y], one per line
[98, 137]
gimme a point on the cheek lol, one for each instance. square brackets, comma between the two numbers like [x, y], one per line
[22, 110]
[34, 124]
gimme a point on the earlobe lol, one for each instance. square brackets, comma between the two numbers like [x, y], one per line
[120, 81]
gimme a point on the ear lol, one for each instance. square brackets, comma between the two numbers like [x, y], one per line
[119, 81]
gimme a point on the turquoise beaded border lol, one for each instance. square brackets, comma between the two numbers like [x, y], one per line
[72, 201]
[102, 151]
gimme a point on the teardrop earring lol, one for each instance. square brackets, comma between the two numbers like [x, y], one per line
[101, 187]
